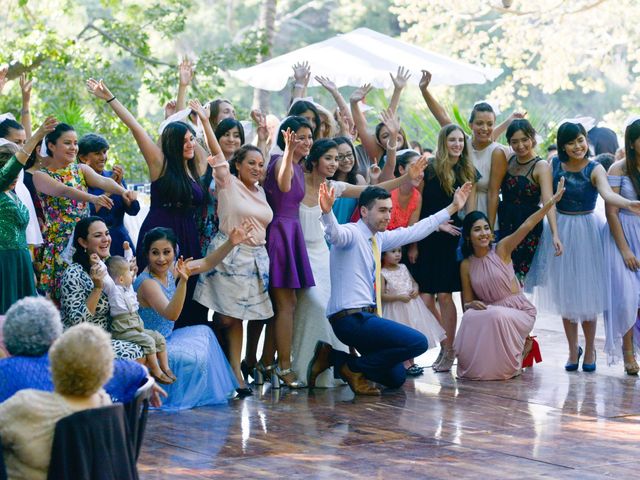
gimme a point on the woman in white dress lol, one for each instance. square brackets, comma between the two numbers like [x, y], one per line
[310, 321]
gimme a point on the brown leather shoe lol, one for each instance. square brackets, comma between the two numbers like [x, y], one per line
[319, 362]
[358, 383]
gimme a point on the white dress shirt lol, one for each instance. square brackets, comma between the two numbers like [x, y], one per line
[352, 264]
[121, 299]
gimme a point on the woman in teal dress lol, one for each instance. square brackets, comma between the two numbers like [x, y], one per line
[204, 376]
[16, 269]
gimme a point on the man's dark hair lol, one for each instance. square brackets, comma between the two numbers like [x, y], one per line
[370, 194]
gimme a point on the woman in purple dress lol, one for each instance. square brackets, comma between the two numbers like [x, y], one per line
[289, 263]
[176, 194]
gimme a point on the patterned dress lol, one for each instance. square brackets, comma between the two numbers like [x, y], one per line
[75, 289]
[520, 200]
[61, 215]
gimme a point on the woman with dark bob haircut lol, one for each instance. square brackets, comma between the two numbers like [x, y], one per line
[175, 168]
[498, 317]
[572, 285]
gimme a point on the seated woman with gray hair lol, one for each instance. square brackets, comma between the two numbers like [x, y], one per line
[31, 326]
[81, 363]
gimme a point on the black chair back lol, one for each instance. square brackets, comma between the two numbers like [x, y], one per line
[93, 445]
[136, 411]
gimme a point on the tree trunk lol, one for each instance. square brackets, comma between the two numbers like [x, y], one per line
[266, 25]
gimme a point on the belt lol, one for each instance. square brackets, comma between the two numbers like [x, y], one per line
[350, 311]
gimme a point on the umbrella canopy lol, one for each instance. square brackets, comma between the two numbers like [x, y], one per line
[363, 56]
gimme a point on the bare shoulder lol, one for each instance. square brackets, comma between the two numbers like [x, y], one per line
[618, 168]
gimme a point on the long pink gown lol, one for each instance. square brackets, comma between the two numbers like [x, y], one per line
[489, 342]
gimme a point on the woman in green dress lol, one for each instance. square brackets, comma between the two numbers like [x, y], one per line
[16, 270]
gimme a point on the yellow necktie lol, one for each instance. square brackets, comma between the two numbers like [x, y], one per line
[378, 285]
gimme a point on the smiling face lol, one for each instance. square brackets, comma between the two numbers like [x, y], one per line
[305, 137]
[327, 163]
[455, 143]
[251, 169]
[480, 235]
[189, 146]
[310, 117]
[161, 257]
[482, 126]
[345, 158]
[577, 148]
[378, 217]
[66, 147]
[98, 240]
[521, 144]
[230, 141]
[384, 137]
[96, 160]
[225, 110]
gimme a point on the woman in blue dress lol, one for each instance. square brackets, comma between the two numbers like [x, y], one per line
[204, 375]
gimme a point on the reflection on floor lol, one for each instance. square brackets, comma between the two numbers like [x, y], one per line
[547, 422]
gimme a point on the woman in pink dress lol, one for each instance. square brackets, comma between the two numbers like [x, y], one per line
[498, 317]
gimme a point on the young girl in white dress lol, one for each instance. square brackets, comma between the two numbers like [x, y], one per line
[401, 303]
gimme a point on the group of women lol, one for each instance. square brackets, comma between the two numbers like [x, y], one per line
[234, 228]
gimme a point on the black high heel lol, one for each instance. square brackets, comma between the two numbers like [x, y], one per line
[244, 368]
[244, 392]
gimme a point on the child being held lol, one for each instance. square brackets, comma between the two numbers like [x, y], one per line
[126, 324]
[401, 303]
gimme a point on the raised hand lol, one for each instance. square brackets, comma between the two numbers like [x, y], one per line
[25, 87]
[301, 72]
[185, 71]
[326, 197]
[102, 201]
[197, 107]
[417, 167]
[391, 121]
[290, 140]
[182, 269]
[461, 194]
[517, 115]
[99, 89]
[241, 234]
[260, 119]
[425, 80]
[48, 126]
[169, 108]
[97, 274]
[117, 174]
[401, 78]
[374, 172]
[217, 159]
[94, 259]
[360, 93]
[450, 228]
[326, 83]
[3, 76]
[559, 191]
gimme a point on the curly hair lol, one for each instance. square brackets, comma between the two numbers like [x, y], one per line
[81, 360]
[31, 326]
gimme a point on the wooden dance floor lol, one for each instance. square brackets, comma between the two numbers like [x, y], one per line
[545, 423]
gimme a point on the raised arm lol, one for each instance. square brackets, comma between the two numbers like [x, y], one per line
[434, 107]
[509, 243]
[203, 115]
[543, 175]
[343, 108]
[260, 121]
[391, 121]
[368, 141]
[284, 167]
[335, 233]
[185, 74]
[25, 113]
[150, 151]
[47, 185]
[399, 83]
[150, 294]
[500, 129]
[498, 171]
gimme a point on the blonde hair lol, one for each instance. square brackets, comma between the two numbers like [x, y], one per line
[448, 172]
[81, 360]
[328, 127]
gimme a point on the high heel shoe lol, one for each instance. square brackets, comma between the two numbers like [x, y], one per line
[631, 368]
[244, 392]
[439, 359]
[259, 373]
[590, 367]
[278, 377]
[448, 357]
[572, 367]
[244, 368]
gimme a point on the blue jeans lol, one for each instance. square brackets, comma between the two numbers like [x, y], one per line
[383, 345]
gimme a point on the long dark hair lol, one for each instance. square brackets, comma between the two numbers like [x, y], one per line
[295, 124]
[352, 175]
[319, 148]
[52, 137]
[403, 161]
[174, 184]
[404, 145]
[631, 134]
[81, 231]
[467, 224]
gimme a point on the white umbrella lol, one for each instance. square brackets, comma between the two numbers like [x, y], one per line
[363, 56]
